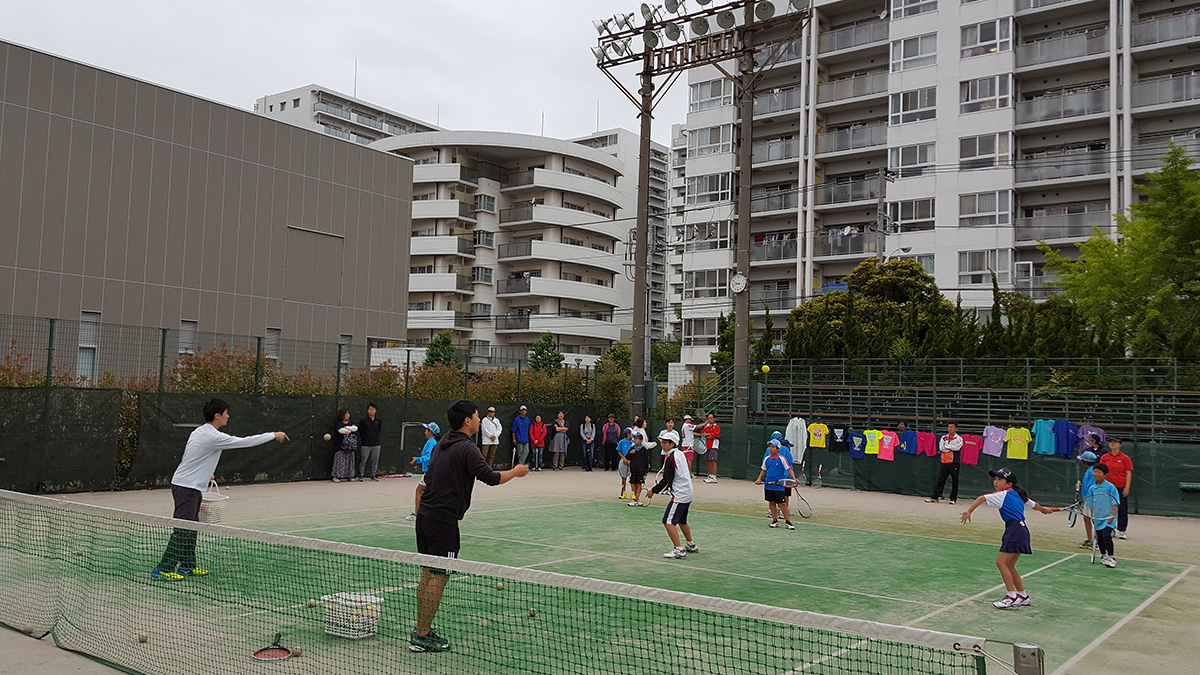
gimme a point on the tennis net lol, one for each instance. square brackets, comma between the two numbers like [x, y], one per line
[82, 573]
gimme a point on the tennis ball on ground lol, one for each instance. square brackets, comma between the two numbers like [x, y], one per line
[297, 651]
[312, 603]
[28, 630]
[499, 584]
[533, 612]
[143, 637]
[327, 437]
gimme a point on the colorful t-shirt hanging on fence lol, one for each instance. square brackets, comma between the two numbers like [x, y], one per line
[858, 445]
[1066, 437]
[1018, 442]
[839, 439]
[927, 443]
[873, 438]
[1043, 437]
[816, 435]
[1086, 430]
[993, 441]
[972, 445]
[908, 442]
[887, 445]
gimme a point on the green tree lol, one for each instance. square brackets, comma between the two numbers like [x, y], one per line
[544, 354]
[615, 359]
[761, 348]
[1139, 292]
[722, 358]
[440, 350]
[662, 355]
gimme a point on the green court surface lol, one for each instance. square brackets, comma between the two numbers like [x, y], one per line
[919, 581]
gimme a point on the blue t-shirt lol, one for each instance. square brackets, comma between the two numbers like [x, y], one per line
[1043, 437]
[784, 452]
[1011, 506]
[858, 445]
[777, 469]
[623, 446]
[520, 426]
[908, 442]
[1105, 488]
[1065, 437]
[427, 452]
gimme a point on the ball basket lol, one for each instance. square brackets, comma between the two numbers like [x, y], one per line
[353, 616]
[212, 504]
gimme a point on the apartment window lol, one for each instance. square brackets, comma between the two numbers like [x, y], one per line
[717, 187]
[914, 52]
[272, 343]
[978, 152]
[423, 306]
[485, 203]
[911, 215]
[421, 269]
[903, 8]
[985, 93]
[985, 208]
[481, 310]
[699, 332]
[710, 141]
[976, 267]
[482, 275]
[706, 284]
[295, 103]
[913, 106]
[988, 37]
[426, 196]
[87, 360]
[188, 336]
[711, 94]
[569, 276]
[484, 238]
[912, 160]
[344, 342]
[270, 107]
[926, 262]
[480, 347]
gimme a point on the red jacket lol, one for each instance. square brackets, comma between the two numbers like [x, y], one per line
[537, 435]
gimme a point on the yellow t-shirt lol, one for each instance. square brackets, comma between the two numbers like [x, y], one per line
[1018, 442]
[873, 437]
[816, 435]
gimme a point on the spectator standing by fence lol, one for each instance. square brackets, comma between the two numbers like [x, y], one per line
[490, 429]
[345, 448]
[689, 440]
[587, 432]
[610, 436]
[711, 431]
[537, 440]
[1120, 474]
[369, 430]
[949, 447]
[520, 436]
[558, 447]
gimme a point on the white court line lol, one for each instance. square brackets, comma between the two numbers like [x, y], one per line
[989, 591]
[578, 557]
[1124, 620]
[243, 523]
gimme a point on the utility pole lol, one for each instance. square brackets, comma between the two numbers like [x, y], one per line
[741, 302]
[640, 349]
[881, 217]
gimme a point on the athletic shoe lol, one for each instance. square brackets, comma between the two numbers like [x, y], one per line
[1120, 535]
[429, 642]
[635, 503]
[193, 572]
[1023, 602]
[676, 554]
[691, 547]
[337, 480]
[1087, 544]
[374, 479]
[933, 501]
[710, 479]
[953, 501]
[1007, 602]
[164, 576]
[1109, 561]
[790, 526]
[411, 516]
[623, 496]
[360, 479]
[774, 523]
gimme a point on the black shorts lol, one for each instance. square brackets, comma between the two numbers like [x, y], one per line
[437, 537]
[1016, 538]
[676, 513]
[637, 478]
[187, 502]
[776, 496]
[787, 492]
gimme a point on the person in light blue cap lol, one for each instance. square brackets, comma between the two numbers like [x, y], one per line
[1089, 460]
[785, 451]
[431, 431]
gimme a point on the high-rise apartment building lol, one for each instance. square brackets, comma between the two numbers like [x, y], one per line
[980, 127]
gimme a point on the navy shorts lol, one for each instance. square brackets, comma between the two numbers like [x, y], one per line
[436, 537]
[636, 478]
[776, 496]
[676, 513]
[1016, 538]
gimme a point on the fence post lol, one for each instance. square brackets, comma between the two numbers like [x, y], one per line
[564, 377]
[50, 354]
[810, 388]
[162, 362]
[407, 366]
[467, 376]
[870, 394]
[935, 403]
[337, 379]
[1028, 390]
[1135, 403]
[258, 352]
[1175, 373]
[519, 379]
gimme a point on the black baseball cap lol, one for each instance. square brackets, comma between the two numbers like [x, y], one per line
[1003, 473]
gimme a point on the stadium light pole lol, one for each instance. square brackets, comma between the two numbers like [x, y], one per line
[733, 41]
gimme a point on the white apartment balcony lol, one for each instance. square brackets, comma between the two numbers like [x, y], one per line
[557, 288]
[855, 138]
[771, 152]
[778, 55]
[776, 301]
[851, 38]
[543, 179]
[1164, 32]
[777, 102]
[597, 325]
[1063, 52]
[440, 282]
[1037, 287]
[1149, 156]
[769, 204]
[773, 252]
[445, 173]
[851, 90]
[1045, 8]
[548, 250]
[442, 245]
[331, 111]
[1070, 107]
[437, 319]
[1064, 166]
[537, 216]
[1068, 226]
[1167, 93]
[450, 209]
[838, 245]
[846, 193]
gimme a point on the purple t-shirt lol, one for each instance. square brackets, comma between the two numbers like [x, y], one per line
[993, 441]
[1086, 430]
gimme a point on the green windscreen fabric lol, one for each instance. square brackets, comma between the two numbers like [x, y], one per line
[59, 439]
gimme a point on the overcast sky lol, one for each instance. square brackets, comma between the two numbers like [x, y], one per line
[462, 64]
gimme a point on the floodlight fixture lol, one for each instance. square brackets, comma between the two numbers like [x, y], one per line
[600, 53]
[700, 26]
[620, 47]
[673, 32]
[764, 11]
[675, 6]
[651, 39]
[623, 21]
[651, 13]
[726, 20]
[703, 2]
[801, 5]
[603, 26]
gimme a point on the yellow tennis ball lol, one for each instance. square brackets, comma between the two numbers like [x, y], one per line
[143, 638]
[327, 437]
[766, 368]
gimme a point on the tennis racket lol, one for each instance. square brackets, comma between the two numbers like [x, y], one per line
[816, 482]
[800, 473]
[275, 652]
[800, 506]
[1101, 508]
[785, 482]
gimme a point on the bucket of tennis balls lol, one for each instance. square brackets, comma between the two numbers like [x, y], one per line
[353, 616]
[212, 504]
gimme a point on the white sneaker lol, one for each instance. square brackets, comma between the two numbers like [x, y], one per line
[1023, 602]
[676, 553]
[1109, 561]
[1007, 602]
[1121, 535]
[635, 503]
[691, 547]
[790, 526]
[774, 523]
[710, 479]
[411, 516]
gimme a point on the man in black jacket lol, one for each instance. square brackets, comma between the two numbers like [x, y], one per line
[368, 430]
[457, 463]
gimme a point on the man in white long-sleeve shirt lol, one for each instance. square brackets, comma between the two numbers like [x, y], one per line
[200, 458]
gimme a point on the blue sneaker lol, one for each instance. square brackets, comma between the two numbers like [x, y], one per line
[163, 575]
[191, 572]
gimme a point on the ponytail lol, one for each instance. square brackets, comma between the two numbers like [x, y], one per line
[1021, 492]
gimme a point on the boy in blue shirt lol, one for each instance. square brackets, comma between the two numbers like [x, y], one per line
[431, 429]
[1105, 524]
[623, 447]
[785, 451]
[775, 468]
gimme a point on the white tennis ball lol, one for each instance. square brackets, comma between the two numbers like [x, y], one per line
[327, 437]
[499, 584]
[297, 651]
[143, 638]
[28, 630]
[533, 612]
[312, 603]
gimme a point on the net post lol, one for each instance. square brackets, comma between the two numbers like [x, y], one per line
[50, 354]
[1028, 659]
[258, 352]
[162, 360]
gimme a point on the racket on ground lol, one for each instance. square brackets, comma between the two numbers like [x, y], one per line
[1099, 506]
[276, 652]
[800, 505]
[817, 476]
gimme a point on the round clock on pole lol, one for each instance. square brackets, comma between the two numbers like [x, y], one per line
[737, 283]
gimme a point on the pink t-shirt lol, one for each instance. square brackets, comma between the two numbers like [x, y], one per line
[970, 450]
[993, 441]
[926, 443]
[887, 445]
